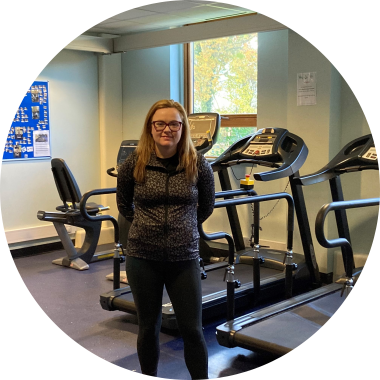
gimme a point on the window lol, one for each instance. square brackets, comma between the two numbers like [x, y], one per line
[224, 80]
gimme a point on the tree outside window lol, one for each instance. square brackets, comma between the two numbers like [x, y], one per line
[225, 81]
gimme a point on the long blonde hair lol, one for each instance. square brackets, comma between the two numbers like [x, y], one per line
[186, 151]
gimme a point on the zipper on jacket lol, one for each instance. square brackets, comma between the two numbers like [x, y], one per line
[166, 217]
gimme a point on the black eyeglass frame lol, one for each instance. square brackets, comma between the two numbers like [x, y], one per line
[167, 125]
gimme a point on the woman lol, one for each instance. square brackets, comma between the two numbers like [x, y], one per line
[166, 189]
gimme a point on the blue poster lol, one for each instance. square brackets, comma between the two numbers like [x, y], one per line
[29, 135]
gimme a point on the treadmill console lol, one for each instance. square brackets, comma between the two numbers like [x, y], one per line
[370, 154]
[359, 154]
[126, 148]
[204, 129]
[263, 144]
[273, 147]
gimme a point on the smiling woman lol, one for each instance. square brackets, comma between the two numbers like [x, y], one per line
[166, 131]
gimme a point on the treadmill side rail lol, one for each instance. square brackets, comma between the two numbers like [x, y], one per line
[225, 332]
[106, 299]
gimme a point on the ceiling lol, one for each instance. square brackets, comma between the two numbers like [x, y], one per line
[165, 15]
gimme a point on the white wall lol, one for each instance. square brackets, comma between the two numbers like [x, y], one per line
[110, 125]
[272, 105]
[312, 123]
[28, 186]
[146, 79]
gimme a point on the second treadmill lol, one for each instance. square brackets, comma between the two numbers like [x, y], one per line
[282, 327]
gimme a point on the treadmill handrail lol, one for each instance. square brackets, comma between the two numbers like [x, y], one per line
[357, 168]
[234, 193]
[251, 161]
[247, 200]
[290, 166]
[112, 190]
[218, 204]
[217, 236]
[340, 242]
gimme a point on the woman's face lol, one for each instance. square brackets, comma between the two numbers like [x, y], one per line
[166, 140]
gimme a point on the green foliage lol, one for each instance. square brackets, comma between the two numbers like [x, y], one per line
[225, 75]
[225, 81]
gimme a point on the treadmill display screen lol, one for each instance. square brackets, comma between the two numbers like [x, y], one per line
[199, 126]
[124, 152]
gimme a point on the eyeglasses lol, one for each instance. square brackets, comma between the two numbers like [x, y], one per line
[174, 125]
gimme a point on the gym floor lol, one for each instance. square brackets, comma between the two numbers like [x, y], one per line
[112, 335]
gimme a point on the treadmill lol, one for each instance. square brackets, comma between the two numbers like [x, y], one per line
[282, 327]
[287, 153]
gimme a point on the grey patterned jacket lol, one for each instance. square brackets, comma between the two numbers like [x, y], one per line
[165, 210]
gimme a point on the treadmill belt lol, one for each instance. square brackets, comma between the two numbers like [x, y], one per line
[214, 282]
[310, 314]
[244, 273]
[286, 331]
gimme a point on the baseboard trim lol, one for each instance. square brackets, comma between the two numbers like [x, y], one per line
[36, 250]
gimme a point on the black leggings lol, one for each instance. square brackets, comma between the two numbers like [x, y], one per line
[183, 284]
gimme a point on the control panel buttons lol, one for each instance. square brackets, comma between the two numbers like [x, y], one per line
[370, 154]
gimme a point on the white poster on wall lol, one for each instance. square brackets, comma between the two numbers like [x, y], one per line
[41, 143]
[306, 89]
